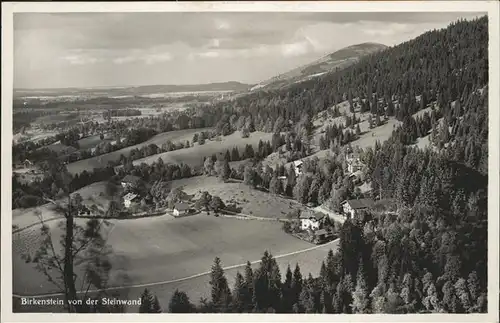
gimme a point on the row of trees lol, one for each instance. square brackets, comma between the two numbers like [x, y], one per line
[378, 269]
[121, 113]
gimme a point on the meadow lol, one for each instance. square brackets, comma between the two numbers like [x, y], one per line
[193, 156]
[165, 251]
[251, 201]
[160, 139]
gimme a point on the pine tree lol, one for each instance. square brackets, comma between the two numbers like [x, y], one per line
[267, 284]
[291, 180]
[250, 176]
[287, 291]
[249, 282]
[378, 299]
[156, 308]
[360, 298]
[221, 295]
[147, 302]
[473, 286]
[179, 303]
[239, 296]
[463, 295]
[296, 284]
[235, 154]
[275, 186]
[301, 190]
[225, 171]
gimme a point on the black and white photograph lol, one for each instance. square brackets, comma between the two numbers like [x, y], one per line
[209, 161]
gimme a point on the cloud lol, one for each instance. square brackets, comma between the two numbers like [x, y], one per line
[76, 59]
[157, 58]
[296, 49]
[210, 54]
[170, 47]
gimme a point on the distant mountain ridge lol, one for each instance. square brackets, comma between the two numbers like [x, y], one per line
[136, 90]
[329, 63]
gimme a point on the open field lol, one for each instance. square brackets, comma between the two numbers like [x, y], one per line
[370, 136]
[91, 194]
[102, 160]
[159, 249]
[252, 201]
[197, 286]
[33, 135]
[193, 156]
[91, 141]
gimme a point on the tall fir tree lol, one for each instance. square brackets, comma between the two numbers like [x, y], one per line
[221, 295]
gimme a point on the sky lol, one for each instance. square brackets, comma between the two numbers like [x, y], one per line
[128, 49]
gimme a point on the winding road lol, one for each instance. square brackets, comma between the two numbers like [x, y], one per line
[166, 282]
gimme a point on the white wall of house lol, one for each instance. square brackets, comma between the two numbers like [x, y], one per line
[127, 203]
[179, 213]
[348, 210]
[309, 223]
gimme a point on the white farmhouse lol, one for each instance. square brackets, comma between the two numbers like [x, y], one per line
[353, 207]
[297, 165]
[181, 209]
[128, 199]
[311, 221]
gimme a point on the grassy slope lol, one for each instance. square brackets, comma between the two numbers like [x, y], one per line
[162, 248]
[90, 194]
[252, 201]
[193, 156]
[367, 138]
[102, 161]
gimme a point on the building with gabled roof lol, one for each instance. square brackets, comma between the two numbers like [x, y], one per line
[352, 207]
[311, 220]
[181, 209]
[297, 165]
[128, 199]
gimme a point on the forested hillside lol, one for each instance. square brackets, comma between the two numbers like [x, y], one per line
[423, 248]
[441, 64]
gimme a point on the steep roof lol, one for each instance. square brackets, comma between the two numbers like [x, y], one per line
[129, 197]
[181, 206]
[308, 214]
[131, 179]
[298, 162]
[359, 204]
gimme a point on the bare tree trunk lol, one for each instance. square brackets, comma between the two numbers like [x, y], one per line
[69, 281]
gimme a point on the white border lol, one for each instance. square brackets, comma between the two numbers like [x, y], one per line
[491, 7]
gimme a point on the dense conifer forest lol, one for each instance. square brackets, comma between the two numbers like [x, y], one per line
[429, 256]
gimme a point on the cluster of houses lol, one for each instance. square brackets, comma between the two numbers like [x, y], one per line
[354, 165]
[316, 221]
[131, 182]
